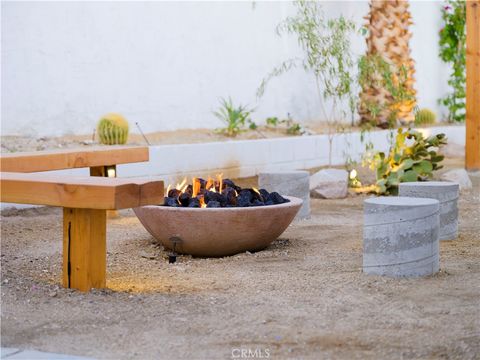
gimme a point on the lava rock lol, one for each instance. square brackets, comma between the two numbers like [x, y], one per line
[171, 201]
[230, 195]
[276, 198]
[257, 202]
[203, 182]
[194, 203]
[213, 204]
[264, 194]
[227, 183]
[189, 190]
[174, 193]
[245, 198]
[214, 196]
[256, 196]
[185, 199]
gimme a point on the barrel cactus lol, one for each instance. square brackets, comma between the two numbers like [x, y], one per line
[112, 129]
[424, 117]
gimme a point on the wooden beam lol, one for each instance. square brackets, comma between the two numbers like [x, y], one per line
[84, 248]
[69, 159]
[472, 124]
[80, 192]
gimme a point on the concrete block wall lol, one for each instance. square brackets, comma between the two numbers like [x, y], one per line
[247, 158]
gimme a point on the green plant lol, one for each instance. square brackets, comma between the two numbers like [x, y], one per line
[374, 72]
[295, 129]
[292, 127]
[425, 117]
[272, 121]
[453, 51]
[235, 118]
[412, 158]
[327, 56]
[112, 129]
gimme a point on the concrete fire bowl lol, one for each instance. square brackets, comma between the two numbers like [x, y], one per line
[215, 232]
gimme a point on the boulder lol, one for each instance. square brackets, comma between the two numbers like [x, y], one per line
[459, 176]
[329, 184]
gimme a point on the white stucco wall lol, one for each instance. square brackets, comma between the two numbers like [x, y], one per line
[165, 64]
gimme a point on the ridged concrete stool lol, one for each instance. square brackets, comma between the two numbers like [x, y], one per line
[400, 236]
[290, 183]
[446, 193]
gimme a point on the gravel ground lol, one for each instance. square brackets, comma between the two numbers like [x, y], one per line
[304, 297]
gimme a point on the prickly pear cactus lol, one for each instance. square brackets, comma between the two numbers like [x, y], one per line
[412, 158]
[112, 129]
[424, 117]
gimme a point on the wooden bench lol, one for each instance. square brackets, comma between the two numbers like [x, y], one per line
[85, 201]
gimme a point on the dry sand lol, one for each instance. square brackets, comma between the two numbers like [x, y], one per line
[304, 297]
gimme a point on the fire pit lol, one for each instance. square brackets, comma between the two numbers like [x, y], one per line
[195, 221]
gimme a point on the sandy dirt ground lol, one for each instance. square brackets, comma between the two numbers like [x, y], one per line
[304, 297]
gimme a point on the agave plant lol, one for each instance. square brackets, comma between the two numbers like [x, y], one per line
[412, 158]
[235, 118]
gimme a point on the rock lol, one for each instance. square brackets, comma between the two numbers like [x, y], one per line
[146, 255]
[453, 150]
[329, 184]
[459, 176]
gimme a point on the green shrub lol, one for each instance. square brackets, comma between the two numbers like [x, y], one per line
[235, 118]
[425, 117]
[412, 158]
[291, 127]
[112, 129]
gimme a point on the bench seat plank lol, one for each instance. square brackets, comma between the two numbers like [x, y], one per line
[27, 162]
[80, 192]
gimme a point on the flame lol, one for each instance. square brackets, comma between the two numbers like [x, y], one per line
[353, 174]
[196, 187]
[182, 184]
[202, 202]
[209, 184]
[220, 182]
[256, 190]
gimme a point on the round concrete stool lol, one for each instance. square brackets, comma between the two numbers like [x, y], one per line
[290, 183]
[400, 236]
[446, 193]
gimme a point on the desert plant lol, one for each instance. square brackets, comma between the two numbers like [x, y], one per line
[412, 158]
[424, 117]
[112, 129]
[327, 56]
[235, 118]
[453, 51]
[291, 127]
[388, 39]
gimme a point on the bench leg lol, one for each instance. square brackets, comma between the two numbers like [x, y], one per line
[84, 248]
